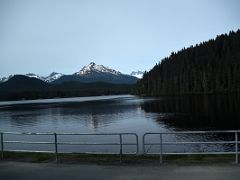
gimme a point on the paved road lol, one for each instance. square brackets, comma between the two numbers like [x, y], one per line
[42, 171]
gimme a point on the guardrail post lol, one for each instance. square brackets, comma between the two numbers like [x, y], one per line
[120, 153]
[144, 144]
[236, 147]
[161, 150]
[1, 145]
[56, 147]
[137, 146]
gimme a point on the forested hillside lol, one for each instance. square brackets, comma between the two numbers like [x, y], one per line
[23, 87]
[208, 67]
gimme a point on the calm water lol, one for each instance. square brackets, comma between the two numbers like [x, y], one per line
[125, 113]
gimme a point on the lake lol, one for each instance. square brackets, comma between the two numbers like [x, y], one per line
[122, 113]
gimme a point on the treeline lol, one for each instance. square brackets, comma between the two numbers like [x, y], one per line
[209, 67]
[63, 93]
[21, 87]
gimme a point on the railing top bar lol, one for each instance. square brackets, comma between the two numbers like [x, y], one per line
[96, 134]
[27, 133]
[196, 132]
[31, 133]
[178, 132]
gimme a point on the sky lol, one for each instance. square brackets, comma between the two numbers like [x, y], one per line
[44, 36]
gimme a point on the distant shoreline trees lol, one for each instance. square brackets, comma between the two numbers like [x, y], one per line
[21, 87]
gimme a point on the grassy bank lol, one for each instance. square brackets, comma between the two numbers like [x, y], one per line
[114, 159]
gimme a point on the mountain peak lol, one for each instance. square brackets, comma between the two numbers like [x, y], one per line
[52, 77]
[92, 63]
[53, 73]
[32, 75]
[138, 74]
[93, 67]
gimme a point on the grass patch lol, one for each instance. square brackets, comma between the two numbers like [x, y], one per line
[199, 159]
[29, 157]
[115, 159]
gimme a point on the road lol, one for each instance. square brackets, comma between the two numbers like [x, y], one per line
[44, 171]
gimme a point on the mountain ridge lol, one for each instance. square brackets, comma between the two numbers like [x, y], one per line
[89, 73]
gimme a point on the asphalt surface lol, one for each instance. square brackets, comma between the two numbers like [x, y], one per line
[44, 171]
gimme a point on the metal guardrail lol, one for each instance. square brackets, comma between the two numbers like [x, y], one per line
[120, 143]
[161, 143]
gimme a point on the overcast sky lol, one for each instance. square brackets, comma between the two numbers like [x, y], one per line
[43, 36]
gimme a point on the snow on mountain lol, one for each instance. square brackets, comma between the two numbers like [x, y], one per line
[97, 73]
[89, 73]
[4, 79]
[92, 67]
[53, 76]
[32, 75]
[138, 74]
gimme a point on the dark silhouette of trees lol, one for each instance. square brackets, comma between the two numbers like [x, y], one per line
[209, 67]
[22, 87]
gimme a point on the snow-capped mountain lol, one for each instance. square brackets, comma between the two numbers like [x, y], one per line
[31, 75]
[88, 74]
[92, 67]
[52, 77]
[138, 74]
[98, 73]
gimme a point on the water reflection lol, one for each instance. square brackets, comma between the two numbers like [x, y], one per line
[129, 114]
[185, 112]
[197, 112]
[93, 114]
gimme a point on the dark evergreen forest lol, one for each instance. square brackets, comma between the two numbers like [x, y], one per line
[21, 87]
[207, 68]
